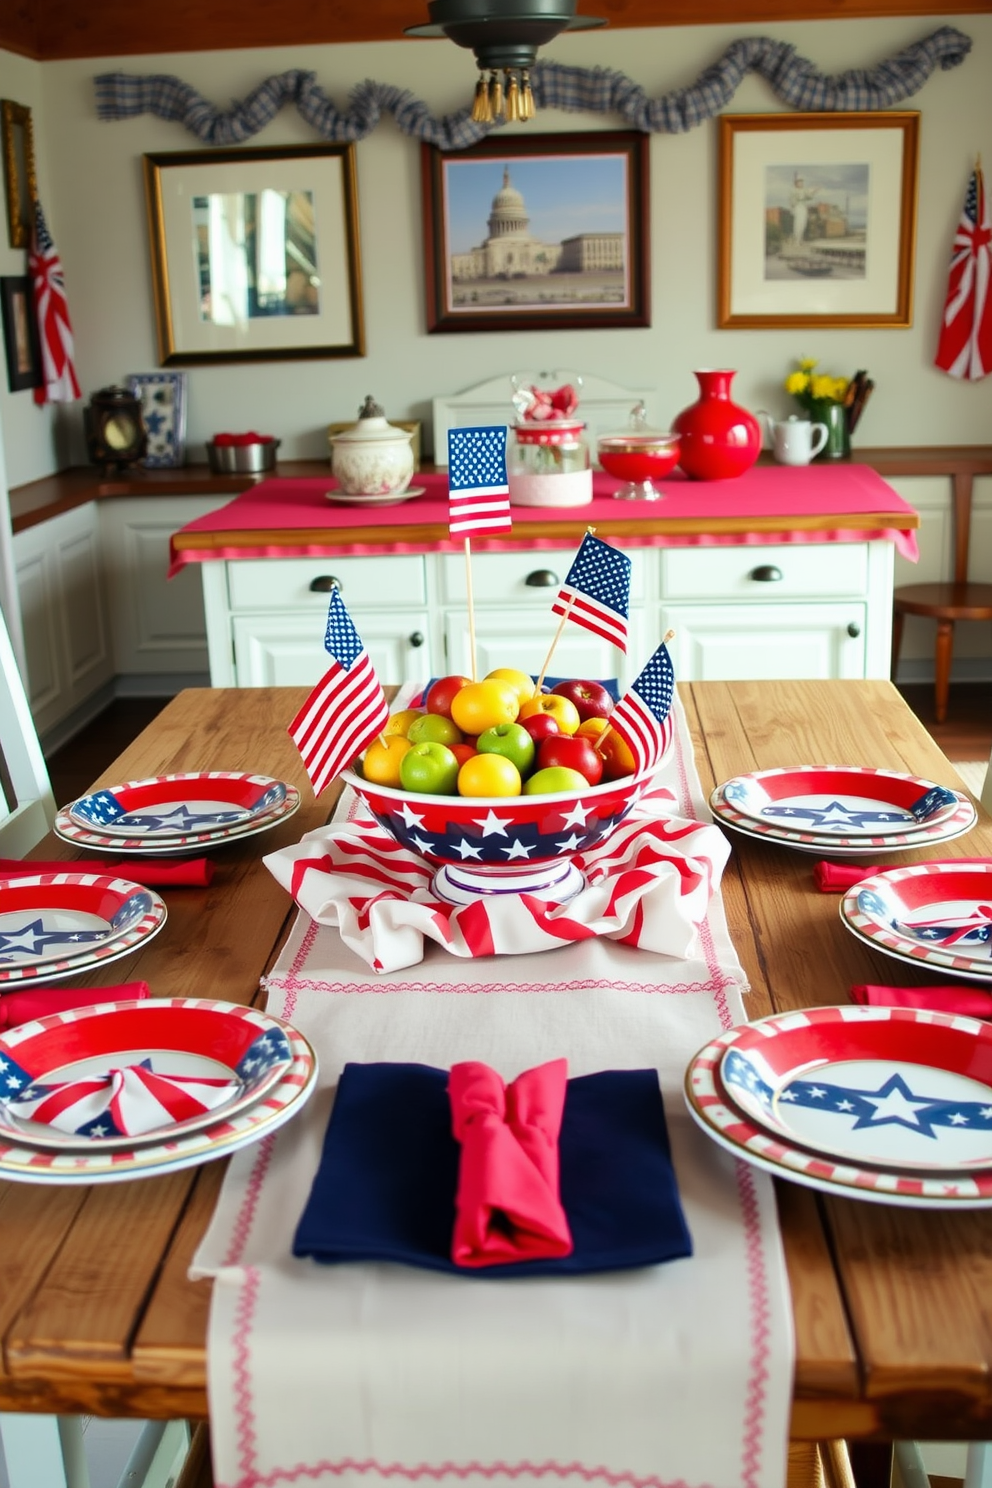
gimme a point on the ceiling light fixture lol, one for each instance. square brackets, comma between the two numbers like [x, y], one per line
[505, 36]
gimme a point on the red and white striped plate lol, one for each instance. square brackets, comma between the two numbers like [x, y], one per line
[716, 1112]
[937, 915]
[24, 1162]
[55, 924]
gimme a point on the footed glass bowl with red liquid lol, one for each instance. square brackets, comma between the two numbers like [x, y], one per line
[638, 459]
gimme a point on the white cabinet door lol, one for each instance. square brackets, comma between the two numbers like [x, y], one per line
[287, 650]
[157, 623]
[64, 614]
[735, 643]
[522, 639]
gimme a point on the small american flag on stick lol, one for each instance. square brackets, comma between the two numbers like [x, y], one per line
[347, 708]
[59, 382]
[643, 717]
[478, 489]
[596, 591]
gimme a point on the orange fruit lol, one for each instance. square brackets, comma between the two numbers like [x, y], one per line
[483, 705]
[489, 775]
[591, 728]
[381, 764]
[617, 758]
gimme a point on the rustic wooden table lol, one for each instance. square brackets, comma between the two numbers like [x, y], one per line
[893, 1307]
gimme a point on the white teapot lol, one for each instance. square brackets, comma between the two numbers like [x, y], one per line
[794, 441]
[373, 457]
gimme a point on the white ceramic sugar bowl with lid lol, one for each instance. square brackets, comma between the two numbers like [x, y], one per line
[373, 457]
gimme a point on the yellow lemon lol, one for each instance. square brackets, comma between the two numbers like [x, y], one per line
[400, 722]
[522, 684]
[381, 764]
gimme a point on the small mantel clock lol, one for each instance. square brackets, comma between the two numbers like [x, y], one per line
[115, 432]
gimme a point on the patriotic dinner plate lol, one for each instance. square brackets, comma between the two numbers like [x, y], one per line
[100, 1043]
[937, 915]
[890, 1091]
[840, 800]
[55, 924]
[72, 830]
[171, 806]
[957, 821]
[714, 1107]
[126, 1074]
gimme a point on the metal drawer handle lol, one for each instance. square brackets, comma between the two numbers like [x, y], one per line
[766, 573]
[324, 583]
[417, 639]
[854, 630]
[542, 578]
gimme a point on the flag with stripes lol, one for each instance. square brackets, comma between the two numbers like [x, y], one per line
[478, 489]
[596, 591]
[643, 716]
[965, 346]
[59, 383]
[346, 709]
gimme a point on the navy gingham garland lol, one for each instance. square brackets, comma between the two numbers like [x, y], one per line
[599, 90]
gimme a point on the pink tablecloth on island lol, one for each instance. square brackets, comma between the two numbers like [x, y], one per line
[764, 491]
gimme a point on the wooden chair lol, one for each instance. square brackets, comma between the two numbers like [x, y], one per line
[945, 603]
[27, 806]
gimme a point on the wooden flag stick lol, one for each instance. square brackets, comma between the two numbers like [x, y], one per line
[471, 606]
[557, 638]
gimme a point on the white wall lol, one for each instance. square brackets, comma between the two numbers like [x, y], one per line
[91, 185]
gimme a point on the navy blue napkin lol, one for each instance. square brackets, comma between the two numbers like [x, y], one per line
[385, 1188]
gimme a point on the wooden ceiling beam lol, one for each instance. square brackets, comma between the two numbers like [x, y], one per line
[50, 30]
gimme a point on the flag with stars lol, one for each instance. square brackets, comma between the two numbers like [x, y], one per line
[596, 591]
[643, 716]
[346, 709]
[965, 346]
[478, 489]
[59, 383]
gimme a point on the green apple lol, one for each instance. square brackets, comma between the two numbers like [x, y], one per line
[430, 769]
[555, 779]
[434, 728]
[512, 741]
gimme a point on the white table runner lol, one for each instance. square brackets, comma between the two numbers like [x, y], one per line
[673, 1376]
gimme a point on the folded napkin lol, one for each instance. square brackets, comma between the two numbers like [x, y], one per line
[151, 872]
[23, 1007]
[124, 1102]
[388, 1176]
[648, 885]
[968, 1002]
[836, 878]
[507, 1206]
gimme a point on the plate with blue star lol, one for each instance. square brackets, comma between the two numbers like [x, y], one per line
[55, 924]
[937, 915]
[840, 801]
[167, 807]
[908, 1085]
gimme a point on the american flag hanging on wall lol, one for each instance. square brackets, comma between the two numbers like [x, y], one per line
[965, 346]
[59, 383]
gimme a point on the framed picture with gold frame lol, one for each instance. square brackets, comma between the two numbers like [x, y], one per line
[20, 334]
[20, 178]
[255, 254]
[817, 219]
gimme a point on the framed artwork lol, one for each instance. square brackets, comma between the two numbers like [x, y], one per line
[255, 254]
[817, 219]
[537, 232]
[162, 396]
[20, 179]
[20, 334]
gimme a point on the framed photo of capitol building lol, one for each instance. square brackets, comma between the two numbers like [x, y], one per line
[539, 232]
[817, 219]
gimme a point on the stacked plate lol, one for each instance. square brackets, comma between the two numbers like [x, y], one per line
[256, 1069]
[888, 1104]
[933, 915]
[53, 925]
[842, 809]
[177, 813]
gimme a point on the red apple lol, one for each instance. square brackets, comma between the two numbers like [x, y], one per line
[591, 698]
[440, 693]
[571, 752]
[541, 726]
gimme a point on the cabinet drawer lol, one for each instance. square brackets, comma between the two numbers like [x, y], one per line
[284, 583]
[765, 574]
[498, 577]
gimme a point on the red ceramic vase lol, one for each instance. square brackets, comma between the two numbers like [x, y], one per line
[720, 439]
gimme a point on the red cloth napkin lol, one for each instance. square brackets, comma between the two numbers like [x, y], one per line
[835, 878]
[38, 1002]
[507, 1204]
[188, 872]
[951, 997]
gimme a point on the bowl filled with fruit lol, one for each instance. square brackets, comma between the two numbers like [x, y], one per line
[498, 786]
